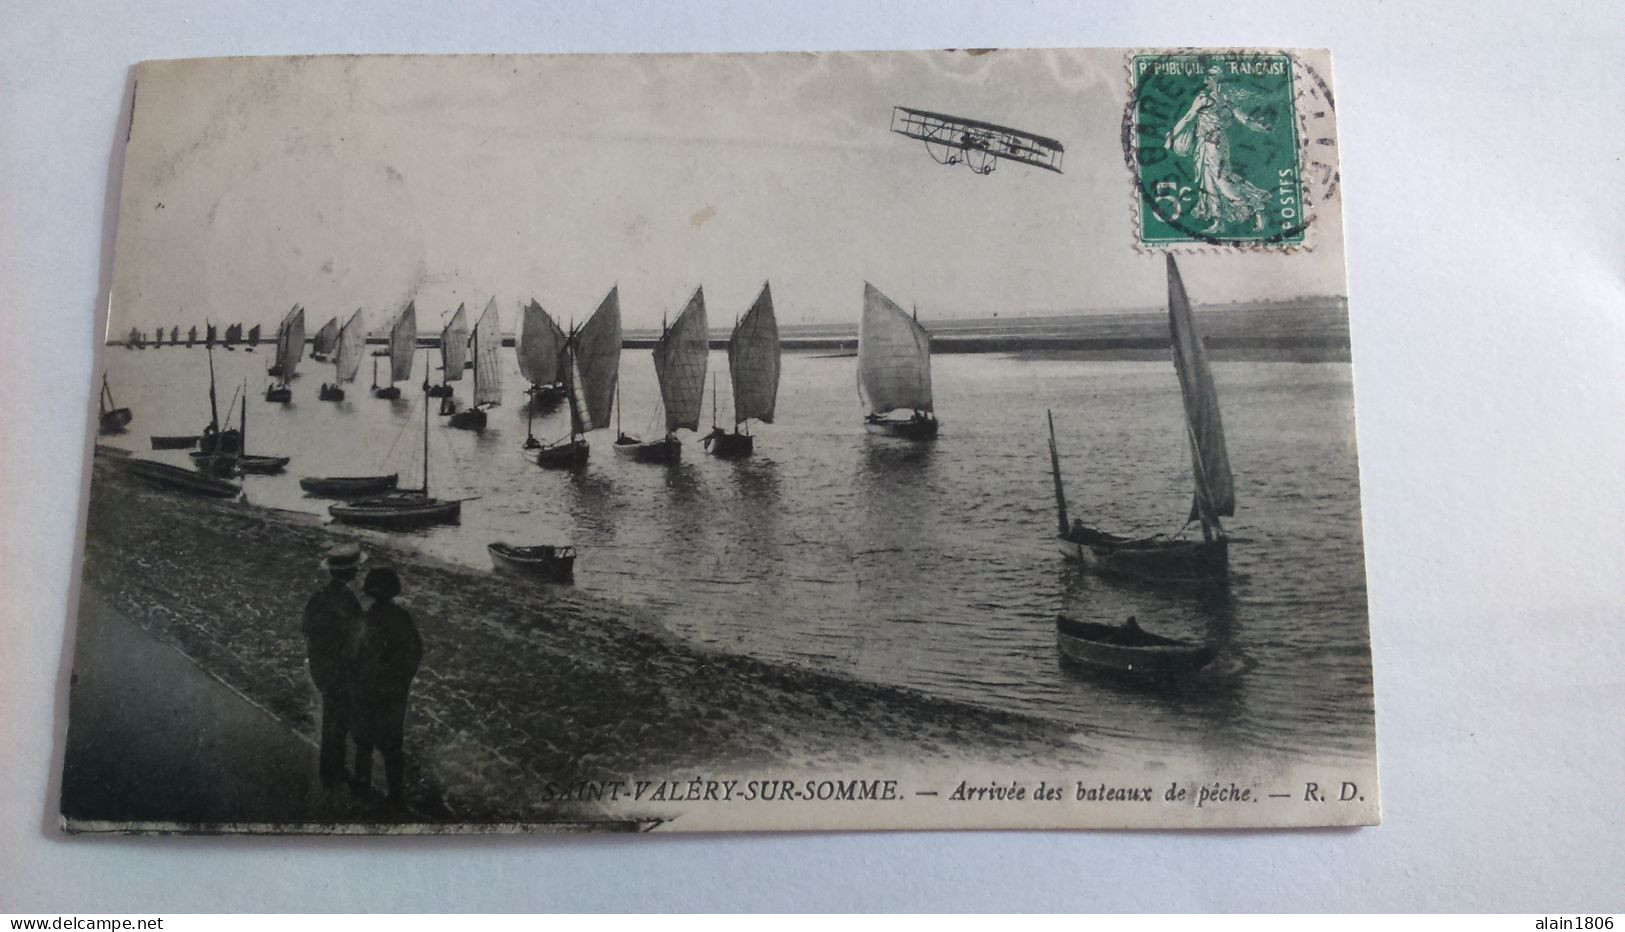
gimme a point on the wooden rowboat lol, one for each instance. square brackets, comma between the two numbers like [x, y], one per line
[1129, 650]
[174, 442]
[398, 511]
[348, 486]
[176, 479]
[545, 561]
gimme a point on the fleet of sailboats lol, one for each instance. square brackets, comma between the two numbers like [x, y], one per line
[1159, 558]
[290, 348]
[753, 372]
[403, 339]
[590, 368]
[680, 358]
[894, 369]
[486, 343]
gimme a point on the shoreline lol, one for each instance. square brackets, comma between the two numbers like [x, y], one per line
[521, 685]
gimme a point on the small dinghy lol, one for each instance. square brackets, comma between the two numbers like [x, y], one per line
[176, 479]
[1130, 650]
[545, 561]
[398, 511]
[174, 442]
[348, 486]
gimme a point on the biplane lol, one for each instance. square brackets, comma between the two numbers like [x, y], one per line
[978, 146]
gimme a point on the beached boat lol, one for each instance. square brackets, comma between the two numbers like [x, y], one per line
[348, 486]
[544, 561]
[351, 343]
[1130, 650]
[403, 339]
[539, 348]
[486, 341]
[405, 509]
[325, 341]
[590, 365]
[174, 442]
[894, 370]
[253, 338]
[1159, 558]
[176, 479]
[753, 371]
[111, 418]
[680, 357]
[453, 353]
[290, 348]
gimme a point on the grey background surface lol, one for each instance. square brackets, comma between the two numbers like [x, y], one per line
[1482, 172]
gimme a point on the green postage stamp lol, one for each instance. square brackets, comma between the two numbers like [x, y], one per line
[1213, 140]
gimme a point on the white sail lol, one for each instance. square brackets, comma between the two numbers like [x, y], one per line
[597, 352]
[1210, 460]
[753, 361]
[403, 338]
[894, 357]
[680, 358]
[327, 338]
[351, 344]
[538, 346]
[488, 356]
[291, 342]
[454, 346]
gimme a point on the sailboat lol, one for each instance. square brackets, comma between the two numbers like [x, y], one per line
[540, 341]
[350, 343]
[680, 357]
[208, 335]
[590, 366]
[894, 369]
[158, 338]
[753, 370]
[112, 418]
[453, 353]
[253, 338]
[216, 441]
[174, 335]
[1160, 558]
[191, 337]
[325, 341]
[134, 341]
[486, 341]
[405, 509]
[290, 348]
[234, 333]
[225, 463]
[403, 339]
[275, 369]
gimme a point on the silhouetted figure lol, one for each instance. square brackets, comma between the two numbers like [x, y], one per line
[332, 626]
[386, 661]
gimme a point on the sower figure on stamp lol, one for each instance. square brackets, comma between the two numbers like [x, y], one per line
[386, 661]
[332, 626]
[1202, 135]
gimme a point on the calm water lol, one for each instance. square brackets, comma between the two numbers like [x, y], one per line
[931, 565]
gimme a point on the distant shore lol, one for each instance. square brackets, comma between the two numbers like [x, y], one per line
[522, 685]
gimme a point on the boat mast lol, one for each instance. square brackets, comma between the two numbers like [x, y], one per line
[1055, 470]
[425, 433]
[214, 409]
[242, 423]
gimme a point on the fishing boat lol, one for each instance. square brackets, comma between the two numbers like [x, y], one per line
[590, 365]
[111, 418]
[894, 370]
[253, 338]
[158, 338]
[401, 510]
[1160, 558]
[680, 357]
[325, 341]
[214, 440]
[290, 348]
[348, 486]
[351, 342]
[234, 334]
[539, 348]
[453, 353]
[174, 442]
[487, 345]
[403, 339]
[209, 335]
[1130, 650]
[191, 337]
[544, 561]
[228, 462]
[176, 479]
[174, 335]
[134, 341]
[753, 371]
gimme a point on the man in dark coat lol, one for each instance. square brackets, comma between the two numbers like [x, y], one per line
[332, 627]
[386, 661]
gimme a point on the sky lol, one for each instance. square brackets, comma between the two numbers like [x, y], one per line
[252, 184]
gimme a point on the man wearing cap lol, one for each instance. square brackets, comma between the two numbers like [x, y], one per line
[332, 627]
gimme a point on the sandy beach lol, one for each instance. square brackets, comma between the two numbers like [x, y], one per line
[521, 685]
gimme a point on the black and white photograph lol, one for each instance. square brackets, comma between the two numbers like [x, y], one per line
[715, 442]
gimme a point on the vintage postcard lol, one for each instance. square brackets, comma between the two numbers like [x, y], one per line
[915, 440]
